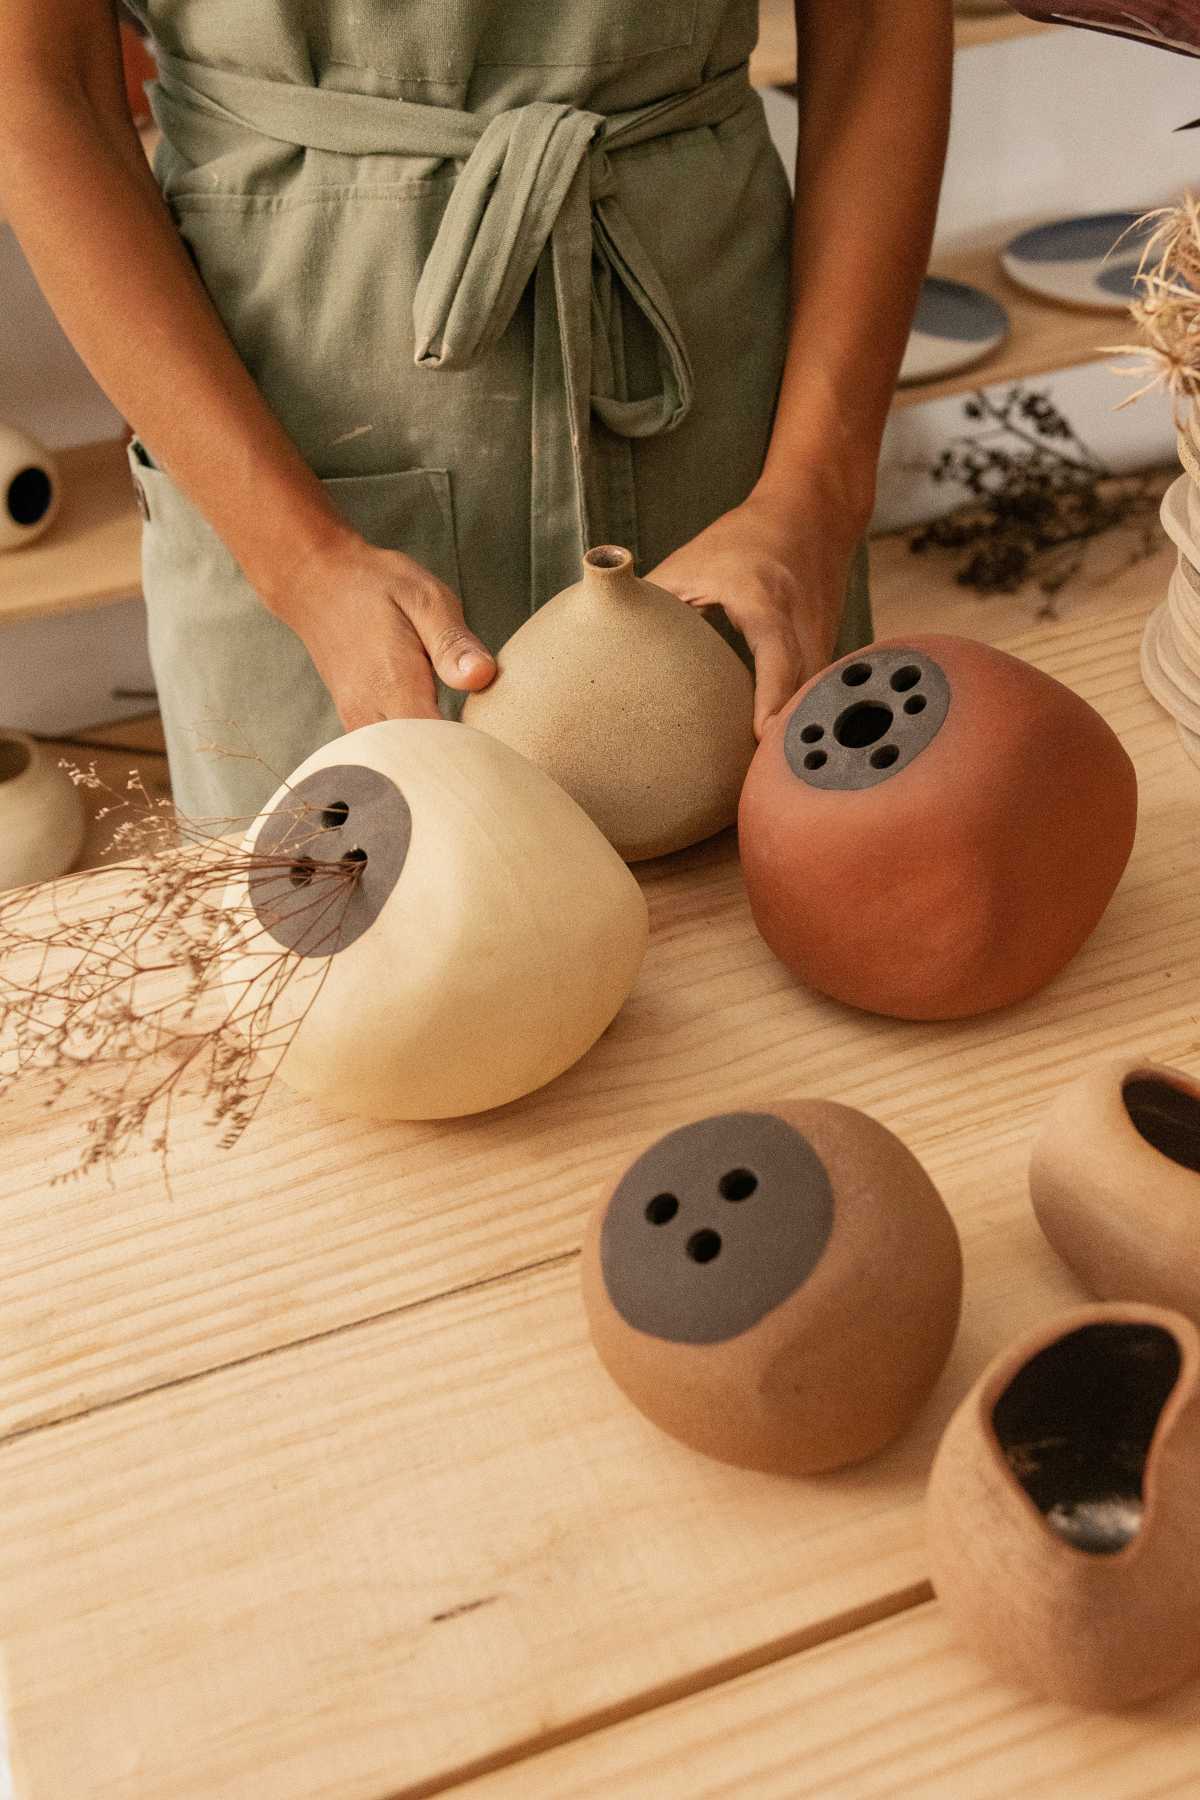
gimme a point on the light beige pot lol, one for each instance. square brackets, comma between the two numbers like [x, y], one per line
[42, 819]
[632, 702]
[1063, 1524]
[491, 936]
[29, 488]
[1115, 1182]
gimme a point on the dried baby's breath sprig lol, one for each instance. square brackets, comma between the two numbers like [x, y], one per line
[1036, 498]
[124, 983]
[1166, 309]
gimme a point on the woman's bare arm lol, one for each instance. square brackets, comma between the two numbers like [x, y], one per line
[874, 98]
[101, 242]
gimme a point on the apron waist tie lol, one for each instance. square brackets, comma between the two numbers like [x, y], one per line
[535, 194]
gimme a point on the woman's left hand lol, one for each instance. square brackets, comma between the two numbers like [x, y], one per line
[781, 580]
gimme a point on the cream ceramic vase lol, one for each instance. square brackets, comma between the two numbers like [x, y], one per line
[488, 937]
[42, 817]
[1063, 1524]
[632, 702]
[29, 488]
[1115, 1182]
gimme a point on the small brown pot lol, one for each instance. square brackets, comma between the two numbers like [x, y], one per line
[779, 1288]
[1115, 1183]
[1064, 1530]
[933, 828]
[632, 702]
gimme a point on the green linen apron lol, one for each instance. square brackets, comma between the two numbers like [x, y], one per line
[512, 274]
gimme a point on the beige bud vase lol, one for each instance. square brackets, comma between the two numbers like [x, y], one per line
[777, 1288]
[488, 936]
[29, 488]
[632, 702]
[1115, 1182]
[42, 819]
[1063, 1524]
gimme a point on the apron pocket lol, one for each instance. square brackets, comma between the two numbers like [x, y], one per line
[410, 510]
[230, 675]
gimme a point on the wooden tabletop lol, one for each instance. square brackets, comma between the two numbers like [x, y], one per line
[312, 1485]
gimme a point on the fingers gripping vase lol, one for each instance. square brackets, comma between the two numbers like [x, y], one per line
[488, 938]
[778, 1289]
[1115, 1182]
[632, 702]
[933, 828]
[1064, 1533]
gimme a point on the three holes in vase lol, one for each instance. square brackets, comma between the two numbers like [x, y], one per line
[705, 1245]
[332, 818]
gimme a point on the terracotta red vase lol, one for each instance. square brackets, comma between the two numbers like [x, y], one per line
[1063, 1524]
[933, 828]
[777, 1288]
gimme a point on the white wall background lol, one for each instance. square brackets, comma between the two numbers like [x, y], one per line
[1052, 124]
[1044, 126]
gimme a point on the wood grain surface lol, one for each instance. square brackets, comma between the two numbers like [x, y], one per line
[893, 1712]
[312, 1483]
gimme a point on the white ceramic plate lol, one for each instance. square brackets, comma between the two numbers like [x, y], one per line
[1157, 657]
[1175, 513]
[1087, 261]
[955, 326]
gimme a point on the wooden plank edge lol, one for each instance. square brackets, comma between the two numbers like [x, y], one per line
[690, 1686]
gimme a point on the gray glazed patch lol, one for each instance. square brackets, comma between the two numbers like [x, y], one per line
[347, 814]
[867, 719]
[715, 1226]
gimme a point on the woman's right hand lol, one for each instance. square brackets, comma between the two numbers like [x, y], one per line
[377, 625]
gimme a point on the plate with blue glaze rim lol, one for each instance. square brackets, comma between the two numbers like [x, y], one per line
[1090, 260]
[955, 325]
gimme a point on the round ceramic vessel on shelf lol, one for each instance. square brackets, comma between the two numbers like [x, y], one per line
[487, 938]
[1115, 1182]
[42, 819]
[1087, 261]
[933, 828]
[1064, 1534]
[29, 488]
[777, 1288]
[632, 702]
[955, 326]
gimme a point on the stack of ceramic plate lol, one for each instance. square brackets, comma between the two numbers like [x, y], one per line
[1171, 645]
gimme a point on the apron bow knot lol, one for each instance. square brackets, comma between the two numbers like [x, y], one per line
[537, 196]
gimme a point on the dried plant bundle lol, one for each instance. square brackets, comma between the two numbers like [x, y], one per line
[117, 982]
[1166, 309]
[1036, 498]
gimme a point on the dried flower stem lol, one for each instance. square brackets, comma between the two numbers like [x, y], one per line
[1166, 309]
[139, 977]
[1036, 498]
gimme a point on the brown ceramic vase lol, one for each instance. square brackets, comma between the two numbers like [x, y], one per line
[933, 828]
[1064, 1530]
[1115, 1183]
[778, 1288]
[632, 702]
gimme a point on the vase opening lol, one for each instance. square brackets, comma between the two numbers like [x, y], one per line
[1075, 1426]
[14, 758]
[1167, 1117]
[608, 557]
[863, 724]
[29, 495]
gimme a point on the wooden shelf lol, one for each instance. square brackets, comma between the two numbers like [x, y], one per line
[773, 63]
[1042, 337]
[91, 554]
